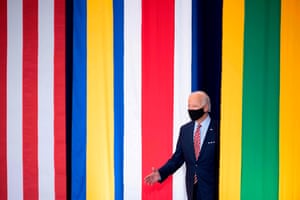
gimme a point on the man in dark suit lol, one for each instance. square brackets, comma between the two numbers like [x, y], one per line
[198, 148]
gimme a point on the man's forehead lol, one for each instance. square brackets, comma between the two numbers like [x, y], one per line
[197, 96]
[195, 100]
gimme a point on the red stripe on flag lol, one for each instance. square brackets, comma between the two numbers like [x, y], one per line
[59, 100]
[30, 99]
[3, 89]
[157, 91]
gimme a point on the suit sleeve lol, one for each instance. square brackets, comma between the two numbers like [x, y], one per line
[174, 162]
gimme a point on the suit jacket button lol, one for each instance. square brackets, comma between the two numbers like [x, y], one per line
[196, 165]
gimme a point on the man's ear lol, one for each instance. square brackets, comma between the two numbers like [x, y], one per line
[206, 108]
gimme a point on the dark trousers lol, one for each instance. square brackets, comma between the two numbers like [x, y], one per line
[195, 192]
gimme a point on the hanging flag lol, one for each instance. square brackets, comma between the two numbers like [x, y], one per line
[259, 121]
[131, 81]
[32, 100]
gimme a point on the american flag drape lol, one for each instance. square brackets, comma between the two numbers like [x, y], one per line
[32, 100]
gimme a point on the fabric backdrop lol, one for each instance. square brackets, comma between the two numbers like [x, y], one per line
[259, 109]
[32, 100]
[93, 92]
[134, 63]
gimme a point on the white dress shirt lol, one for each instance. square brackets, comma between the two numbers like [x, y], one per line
[204, 126]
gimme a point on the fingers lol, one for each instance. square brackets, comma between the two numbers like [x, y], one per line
[149, 180]
[153, 177]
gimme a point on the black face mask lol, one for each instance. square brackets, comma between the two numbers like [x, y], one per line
[196, 114]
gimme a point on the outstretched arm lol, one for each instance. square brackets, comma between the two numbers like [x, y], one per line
[167, 169]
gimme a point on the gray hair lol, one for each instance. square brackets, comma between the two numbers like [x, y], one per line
[206, 99]
[207, 102]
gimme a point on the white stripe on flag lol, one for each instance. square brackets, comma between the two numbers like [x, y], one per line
[132, 98]
[182, 82]
[14, 100]
[45, 99]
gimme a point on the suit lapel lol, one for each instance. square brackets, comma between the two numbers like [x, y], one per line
[208, 137]
[191, 139]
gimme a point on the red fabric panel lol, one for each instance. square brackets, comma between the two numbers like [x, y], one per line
[59, 100]
[3, 104]
[157, 91]
[30, 99]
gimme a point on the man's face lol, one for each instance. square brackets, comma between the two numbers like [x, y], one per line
[194, 102]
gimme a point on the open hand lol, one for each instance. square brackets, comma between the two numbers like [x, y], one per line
[152, 177]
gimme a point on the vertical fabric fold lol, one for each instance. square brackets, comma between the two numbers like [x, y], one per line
[30, 99]
[157, 91]
[100, 101]
[118, 90]
[289, 144]
[260, 114]
[3, 99]
[132, 100]
[182, 82]
[79, 126]
[231, 98]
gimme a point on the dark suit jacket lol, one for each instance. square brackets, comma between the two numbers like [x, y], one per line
[206, 167]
